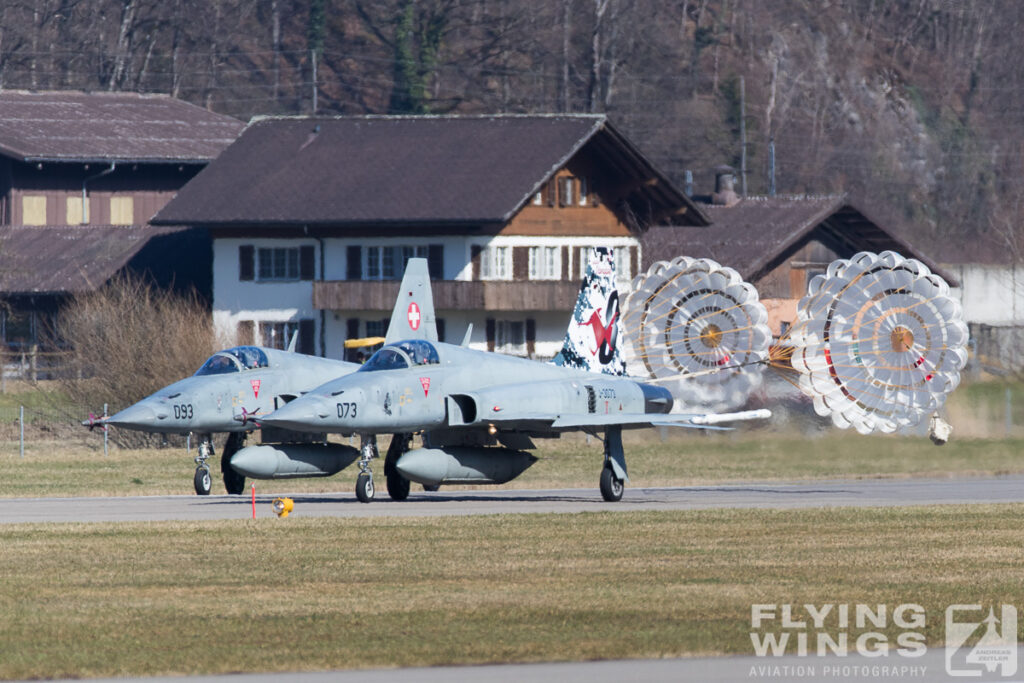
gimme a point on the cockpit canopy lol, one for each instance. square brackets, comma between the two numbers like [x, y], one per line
[233, 360]
[403, 354]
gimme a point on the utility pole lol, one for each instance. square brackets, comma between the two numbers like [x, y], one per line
[313, 55]
[743, 139]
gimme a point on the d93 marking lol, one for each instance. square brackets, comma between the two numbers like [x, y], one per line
[183, 411]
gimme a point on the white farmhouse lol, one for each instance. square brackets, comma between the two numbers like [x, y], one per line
[312, 220]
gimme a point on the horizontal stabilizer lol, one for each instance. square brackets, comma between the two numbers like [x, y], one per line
[698, 420]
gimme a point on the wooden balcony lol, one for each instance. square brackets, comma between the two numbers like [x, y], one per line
[367, 295]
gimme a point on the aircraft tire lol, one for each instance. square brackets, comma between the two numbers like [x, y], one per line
[611, 486]
[202, 481]
[364, 488]
[398, 486]
[233, 481]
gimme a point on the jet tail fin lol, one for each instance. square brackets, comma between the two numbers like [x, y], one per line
[592, 340]
[413, 316]
[293, 342]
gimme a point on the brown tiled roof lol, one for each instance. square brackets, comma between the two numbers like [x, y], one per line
[757, 234]
[404, 169]
[68, 259]
[98, 127]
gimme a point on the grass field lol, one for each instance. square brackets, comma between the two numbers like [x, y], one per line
[310, 594]
[55, 469]
[62, 459]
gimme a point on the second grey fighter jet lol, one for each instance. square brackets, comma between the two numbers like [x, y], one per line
[236, 387]
[478, 412]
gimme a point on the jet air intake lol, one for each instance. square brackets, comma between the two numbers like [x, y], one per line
[293, 460]
[463, 465]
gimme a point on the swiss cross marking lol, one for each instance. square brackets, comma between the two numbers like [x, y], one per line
[414, 316]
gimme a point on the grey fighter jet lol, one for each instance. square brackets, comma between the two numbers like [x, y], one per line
[236, 387]
[478, 412]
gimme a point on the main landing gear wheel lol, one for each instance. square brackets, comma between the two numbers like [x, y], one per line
[203, 481]
[364, 488]
[398, 486]
[611, 486]
[233, 481]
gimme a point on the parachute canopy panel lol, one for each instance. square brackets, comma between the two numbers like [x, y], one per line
[698, 329]
[878, 341]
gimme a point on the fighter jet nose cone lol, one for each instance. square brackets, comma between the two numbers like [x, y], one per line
[297, 414]
[138, 416]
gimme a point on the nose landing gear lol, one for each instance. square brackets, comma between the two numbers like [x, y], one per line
[364, 482]
[202, 480]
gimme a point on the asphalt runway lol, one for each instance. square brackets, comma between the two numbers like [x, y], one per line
[931, 667]
[825, 493]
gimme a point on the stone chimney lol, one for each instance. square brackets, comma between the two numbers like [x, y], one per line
[725, 179]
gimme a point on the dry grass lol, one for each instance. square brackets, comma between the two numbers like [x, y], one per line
[127, 340]
[53, 468]
[309, 594]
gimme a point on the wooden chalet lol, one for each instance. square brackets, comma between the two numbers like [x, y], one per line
[312, 220]
[73, 158]
[779, 243]
[80, 173]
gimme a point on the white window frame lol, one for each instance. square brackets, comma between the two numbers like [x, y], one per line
[382, 262]
[545, 263]
[566, 189]
[283, 264]
[583, 192]
[269, 331]
[496, 263]
[621, 256]
[622, 262]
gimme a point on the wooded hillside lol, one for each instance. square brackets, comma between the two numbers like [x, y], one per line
[907, 104]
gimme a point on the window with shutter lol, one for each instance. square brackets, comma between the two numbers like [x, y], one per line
[435, 261]
[246, 262]
[244, 334]
[354, 263]
[307, 262]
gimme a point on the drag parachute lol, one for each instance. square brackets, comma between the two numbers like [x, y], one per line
[878, 341]
[698, 329]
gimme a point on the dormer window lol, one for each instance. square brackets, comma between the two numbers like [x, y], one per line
[538, 199]
[583, 192]
[565, 190]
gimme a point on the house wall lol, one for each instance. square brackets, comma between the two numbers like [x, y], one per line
[782, 288]
[992, 297]
[238, 304]
[58, 188]
[990, 294]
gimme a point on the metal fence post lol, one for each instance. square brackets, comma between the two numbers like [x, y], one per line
[106, 432]
[21, 426]
[1009, 411]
